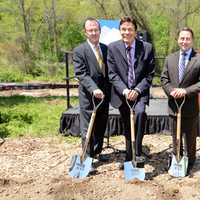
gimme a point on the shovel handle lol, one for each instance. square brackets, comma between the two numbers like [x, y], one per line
[178, 135]
[132, 122]
[179, 107]
[90, 126]
[132, 119]
[178, 128]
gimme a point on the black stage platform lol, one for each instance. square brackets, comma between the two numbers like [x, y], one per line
[157, 120]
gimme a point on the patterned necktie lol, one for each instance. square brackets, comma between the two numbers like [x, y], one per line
[100, 60]
[182, 65]
[131, 73]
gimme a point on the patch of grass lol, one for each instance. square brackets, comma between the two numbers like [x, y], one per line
[30, 116]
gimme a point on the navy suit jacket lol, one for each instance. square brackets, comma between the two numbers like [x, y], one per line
[118, 70]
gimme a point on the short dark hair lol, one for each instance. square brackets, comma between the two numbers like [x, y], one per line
[186, 29]
[92, 19]
[128, 19]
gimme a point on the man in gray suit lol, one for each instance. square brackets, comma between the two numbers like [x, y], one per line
[91, 70]
[131, 70]
[181, 78]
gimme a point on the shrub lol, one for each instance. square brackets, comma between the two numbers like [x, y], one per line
[4, 132]
[4, 117]
[14, 121]
[10, 75]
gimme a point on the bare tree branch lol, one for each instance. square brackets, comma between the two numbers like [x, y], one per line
[101, 4]
[123, 7]
[195, 10]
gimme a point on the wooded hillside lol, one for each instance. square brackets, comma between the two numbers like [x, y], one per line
[35, 33]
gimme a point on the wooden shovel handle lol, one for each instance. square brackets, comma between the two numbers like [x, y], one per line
[88, 135]
[178, 135]
[90, 126]
[132, 123]
[178, 128]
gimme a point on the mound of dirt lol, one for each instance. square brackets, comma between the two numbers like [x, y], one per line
[37, 169]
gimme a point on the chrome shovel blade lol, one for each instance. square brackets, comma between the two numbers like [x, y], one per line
[80, 169]
[178, 168]
[131, 172]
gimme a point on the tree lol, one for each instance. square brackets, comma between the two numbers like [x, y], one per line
[26, 41]
[179, 14]
[26, 22]
[51, 21]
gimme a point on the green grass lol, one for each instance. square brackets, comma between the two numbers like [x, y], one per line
[31, 116]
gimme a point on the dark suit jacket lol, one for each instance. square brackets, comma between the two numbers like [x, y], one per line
[87, 71]
[190, 81]
[118, 70]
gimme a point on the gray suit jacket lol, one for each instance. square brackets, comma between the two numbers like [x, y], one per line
[118, 70]
[190, 81]
[88, 72]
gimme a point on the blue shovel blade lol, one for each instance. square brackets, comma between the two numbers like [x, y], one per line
[131, 172]
[80, 169]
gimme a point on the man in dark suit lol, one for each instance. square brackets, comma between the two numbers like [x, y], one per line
[90, 64]
[181, 78]
[131, 70]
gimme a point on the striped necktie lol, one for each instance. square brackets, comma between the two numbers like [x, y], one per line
[100, 60]
[131, 72]
[182, 65]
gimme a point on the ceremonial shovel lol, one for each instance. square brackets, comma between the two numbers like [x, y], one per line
[81, 165]
[179, 165]
[133, 169]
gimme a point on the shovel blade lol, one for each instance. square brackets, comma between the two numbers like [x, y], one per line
[131, 172]
[178, 168]
[80, 169]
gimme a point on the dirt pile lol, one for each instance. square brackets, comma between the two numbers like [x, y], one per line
[36, 169]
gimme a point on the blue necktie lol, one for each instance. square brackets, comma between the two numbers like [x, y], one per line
[131, 73]
[182, 65]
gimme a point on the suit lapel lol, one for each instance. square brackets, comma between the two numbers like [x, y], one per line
[90, 53]
[139, 52]
[92, 57]
[175, 72]
[122, 49]
[103, 52]
[190, 64]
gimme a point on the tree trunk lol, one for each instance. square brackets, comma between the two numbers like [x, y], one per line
[50, 18]
[54, 29]
[26, 24]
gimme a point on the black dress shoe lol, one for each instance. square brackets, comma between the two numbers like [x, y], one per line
[102, 157]
[121, 166]
[140, 160]
[92, 171]
[190, 166]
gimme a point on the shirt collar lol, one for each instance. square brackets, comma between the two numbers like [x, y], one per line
[92, 45]
[188, 52]
[132, 45]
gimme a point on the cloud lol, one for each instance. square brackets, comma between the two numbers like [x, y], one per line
[109, 35]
